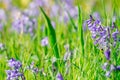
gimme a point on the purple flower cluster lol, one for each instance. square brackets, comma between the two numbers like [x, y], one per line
[14, 73]
[25, 21]
[106, 38]
[108, 68]
[36, 70]
[24, 24]
[70, 8]
[33, 8]
[57, 10]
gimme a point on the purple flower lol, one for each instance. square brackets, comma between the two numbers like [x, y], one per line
[53, 24]
[114, 35]
[108, 74]
[55, 10]
[44, 41]
[14, 64]
[24, 24]
[1, 46]
[100, 35]
[67, 55]
[105, 66]
[96, 15]
[118, 68]
[112, 67]
[14, 73]
[59, 76]
[2, 15]
[33, 69]
[40, 2]
[107, 54]
[33, 9]
[105, 38]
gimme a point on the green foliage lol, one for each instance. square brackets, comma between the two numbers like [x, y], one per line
[51, 35]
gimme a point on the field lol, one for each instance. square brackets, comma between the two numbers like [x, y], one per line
[59, 40]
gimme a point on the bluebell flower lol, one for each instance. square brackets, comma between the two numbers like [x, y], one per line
[107, 54]
[105, 38]
[114, 35]
[14, 73]
[44, 41]
[14, 64]
[96, 15]
[59, 76]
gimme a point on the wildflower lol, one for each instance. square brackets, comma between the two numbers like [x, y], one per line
[14, 73]
[1, 46]
[55, 10]
[44, 41]
[53, 24]
[14, 64]
[59, 76]
[96, 15]
[33, 9]
[24, 24]
[107, 54]
[67, 55]
[100, 35]
[114, 35]
[33, 69]
[108, 74]
[105, 38]
[2, 15]
[112, 67]
[105, 66]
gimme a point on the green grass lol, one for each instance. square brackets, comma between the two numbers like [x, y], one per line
[85, 64]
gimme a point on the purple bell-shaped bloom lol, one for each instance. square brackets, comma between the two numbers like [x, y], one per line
[107, 54]
[59, 77]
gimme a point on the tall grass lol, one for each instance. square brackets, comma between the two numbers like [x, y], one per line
[86, 62]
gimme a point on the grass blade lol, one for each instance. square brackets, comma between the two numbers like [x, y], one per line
[72, 21]
[51, 35]
[80, 29]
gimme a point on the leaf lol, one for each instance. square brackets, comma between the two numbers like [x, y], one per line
[80, 29]
[51, 35]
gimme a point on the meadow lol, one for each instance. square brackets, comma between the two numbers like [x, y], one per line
[59, 40]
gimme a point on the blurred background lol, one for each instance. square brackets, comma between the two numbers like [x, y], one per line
[110, 7]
